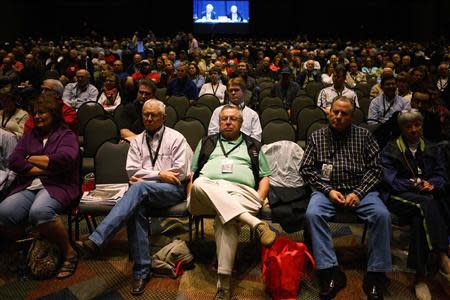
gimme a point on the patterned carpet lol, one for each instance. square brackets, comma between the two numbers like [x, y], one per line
[109, 276]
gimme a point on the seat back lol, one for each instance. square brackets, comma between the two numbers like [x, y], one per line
[266, 85]
[273, 113]
[278, 130]
[358, 116]
[298, 104]
[306, 117]
[192, 130]
[181, 105]
[316, 126]
[199, 112]
[99, 130]
[209, 100]
[313, 89]
[87, 111]
[364, 104]
[160, 94]
[171, 116]
[270, 102]
[110, 161]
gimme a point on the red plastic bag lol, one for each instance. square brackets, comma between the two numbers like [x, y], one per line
[284, 265]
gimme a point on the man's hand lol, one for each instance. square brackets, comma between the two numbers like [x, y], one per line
[134, 179]
[169, 177]
[336, 197]
[425, 186]
[351, 200]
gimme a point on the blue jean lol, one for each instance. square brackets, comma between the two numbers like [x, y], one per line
[132, 210]
[37, 207]
[371, 210]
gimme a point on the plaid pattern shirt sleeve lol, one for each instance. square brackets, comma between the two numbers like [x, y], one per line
[354, 157]
[308, 166]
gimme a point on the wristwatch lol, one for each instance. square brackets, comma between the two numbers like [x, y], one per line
[27, 157]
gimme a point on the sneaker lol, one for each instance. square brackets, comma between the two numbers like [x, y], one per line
[265, 234]
[222, 294]
[422, 291]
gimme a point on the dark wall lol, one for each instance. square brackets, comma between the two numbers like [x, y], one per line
[354, 19]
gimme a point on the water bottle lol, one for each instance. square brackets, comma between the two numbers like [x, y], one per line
[88, 182]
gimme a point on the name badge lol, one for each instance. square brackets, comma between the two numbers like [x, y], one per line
[227, 166]
[327, 169]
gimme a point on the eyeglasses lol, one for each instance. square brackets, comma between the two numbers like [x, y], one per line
[46, 89]
[412, 110]
[226, 118]
[39, 113]
[153, 115]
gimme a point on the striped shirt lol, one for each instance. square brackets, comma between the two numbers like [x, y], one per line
[354, 157]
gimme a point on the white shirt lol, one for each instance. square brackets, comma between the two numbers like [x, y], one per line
[327, 95]
[218, 90]
[250, 125]
[174, 155]
[102, 100]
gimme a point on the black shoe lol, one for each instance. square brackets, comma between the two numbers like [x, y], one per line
[138, 285]
[87, 249]
[374, 284]
[332, 280]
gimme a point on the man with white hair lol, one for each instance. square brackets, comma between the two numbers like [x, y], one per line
[234, 15]
[158, 168]
[209, 14]
[55, 88]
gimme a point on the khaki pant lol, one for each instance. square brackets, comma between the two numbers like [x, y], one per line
[226, 200]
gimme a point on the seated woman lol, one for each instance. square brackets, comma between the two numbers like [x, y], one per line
[110, 96]
[46, 161]
[12, 118]
[196, 76]
[414, 173]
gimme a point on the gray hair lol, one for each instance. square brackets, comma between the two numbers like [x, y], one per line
[409, 116]
[56, 85]
[344, 99]
[162, 106]
[234, 107]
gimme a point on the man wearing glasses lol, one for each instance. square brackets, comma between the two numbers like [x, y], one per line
[157, 165]
[230, 181]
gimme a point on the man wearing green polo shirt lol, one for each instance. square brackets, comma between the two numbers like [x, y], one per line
[230, 180]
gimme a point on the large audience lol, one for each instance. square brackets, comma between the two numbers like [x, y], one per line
[398, 166]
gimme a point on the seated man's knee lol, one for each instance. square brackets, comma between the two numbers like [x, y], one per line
[196, 188]
[382, 213]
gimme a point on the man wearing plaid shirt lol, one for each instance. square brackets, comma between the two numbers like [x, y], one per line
[341, 163]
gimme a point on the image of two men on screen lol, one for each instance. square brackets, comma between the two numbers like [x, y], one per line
[223, 15]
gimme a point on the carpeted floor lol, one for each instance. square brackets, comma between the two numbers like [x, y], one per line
[108, 277]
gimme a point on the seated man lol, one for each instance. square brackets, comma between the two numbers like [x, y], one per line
[130, 122]
[251, 125]
[354, 76]
[228, 167]
[157, 164]
[234, 15]
[55, 88]
[385, 105]
[341, 165]
[328, 94]
[182, 85]
[209, 14]
[81, 91]
[309, 74]
[286, 89]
